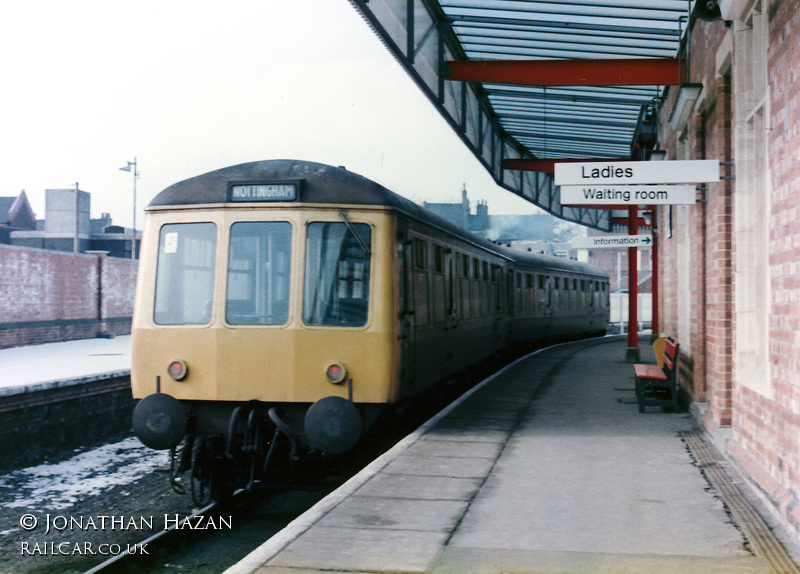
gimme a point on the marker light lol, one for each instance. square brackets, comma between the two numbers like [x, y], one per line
[335, 373]
[178, 370]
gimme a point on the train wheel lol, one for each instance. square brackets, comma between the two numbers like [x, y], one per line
[201, 472]
[178, 464]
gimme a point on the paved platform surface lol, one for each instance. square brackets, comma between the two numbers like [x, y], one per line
[546, 467]
[39, 367]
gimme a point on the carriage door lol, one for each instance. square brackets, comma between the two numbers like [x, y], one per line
[549, 307]
[407, 337]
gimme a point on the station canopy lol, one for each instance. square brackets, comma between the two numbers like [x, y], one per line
[529, 82]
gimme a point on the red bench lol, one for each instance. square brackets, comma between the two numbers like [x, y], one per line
[658, 386]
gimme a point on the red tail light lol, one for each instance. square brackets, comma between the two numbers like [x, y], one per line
[178, 370]
[335, 373]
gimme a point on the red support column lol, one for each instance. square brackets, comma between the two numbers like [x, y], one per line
[654, 281]
[632, 353]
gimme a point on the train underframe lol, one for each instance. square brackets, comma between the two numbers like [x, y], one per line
[227, 446]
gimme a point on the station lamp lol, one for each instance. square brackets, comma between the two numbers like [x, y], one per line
[132, 167]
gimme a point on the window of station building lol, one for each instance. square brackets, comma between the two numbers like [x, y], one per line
[185, 274]
[485, 271]
[754, 118]
[258, 273]
[465, 265]
[337, 271]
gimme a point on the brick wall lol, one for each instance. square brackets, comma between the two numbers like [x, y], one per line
[48, 296]
[766, 427]
[762, 421]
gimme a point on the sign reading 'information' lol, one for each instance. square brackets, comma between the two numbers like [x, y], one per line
[610, 241]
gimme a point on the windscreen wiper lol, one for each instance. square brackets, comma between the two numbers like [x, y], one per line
[364, 247]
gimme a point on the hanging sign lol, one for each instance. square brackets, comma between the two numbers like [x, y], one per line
[632, 172]
[627, 194]
[609, 241]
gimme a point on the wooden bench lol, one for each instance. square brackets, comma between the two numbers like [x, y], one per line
[658, 386]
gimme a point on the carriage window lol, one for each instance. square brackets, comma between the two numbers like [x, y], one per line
[258, 273]
[438, 259]
[336, 290]
[185, 274]
[420, 254]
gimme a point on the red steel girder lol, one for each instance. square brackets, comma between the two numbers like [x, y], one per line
[588, 72]
[548, 165]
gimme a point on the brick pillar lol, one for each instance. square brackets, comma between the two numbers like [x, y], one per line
[102, 304]
[719, 226]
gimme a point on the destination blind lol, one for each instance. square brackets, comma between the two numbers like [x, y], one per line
[264, 192]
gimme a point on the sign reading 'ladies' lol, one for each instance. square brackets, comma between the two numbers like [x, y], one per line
[636, 172]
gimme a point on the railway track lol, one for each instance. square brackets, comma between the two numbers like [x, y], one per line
[137, 551]
[242, 524]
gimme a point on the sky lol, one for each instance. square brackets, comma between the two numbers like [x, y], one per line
[189, 87]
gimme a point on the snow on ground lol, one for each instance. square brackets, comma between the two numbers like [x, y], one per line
[59, 486]
[58, 362]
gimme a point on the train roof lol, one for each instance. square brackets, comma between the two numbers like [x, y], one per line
[319, 183]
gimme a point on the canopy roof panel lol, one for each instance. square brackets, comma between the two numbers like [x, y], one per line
[533, 120]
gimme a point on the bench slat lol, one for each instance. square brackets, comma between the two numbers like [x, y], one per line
[649, 372]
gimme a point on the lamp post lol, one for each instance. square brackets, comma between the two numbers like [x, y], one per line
[132, 167]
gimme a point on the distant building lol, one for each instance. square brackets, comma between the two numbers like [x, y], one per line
[15, 215]
[499, 228]
[67, 225]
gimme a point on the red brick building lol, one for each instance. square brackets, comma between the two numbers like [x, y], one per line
[730, 264]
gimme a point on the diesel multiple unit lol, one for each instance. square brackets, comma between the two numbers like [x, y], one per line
[282, 306]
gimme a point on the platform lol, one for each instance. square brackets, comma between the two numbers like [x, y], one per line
[52, 365]
[545, 467]
[60, 396]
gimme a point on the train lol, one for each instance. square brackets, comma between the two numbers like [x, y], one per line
[284, 306]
